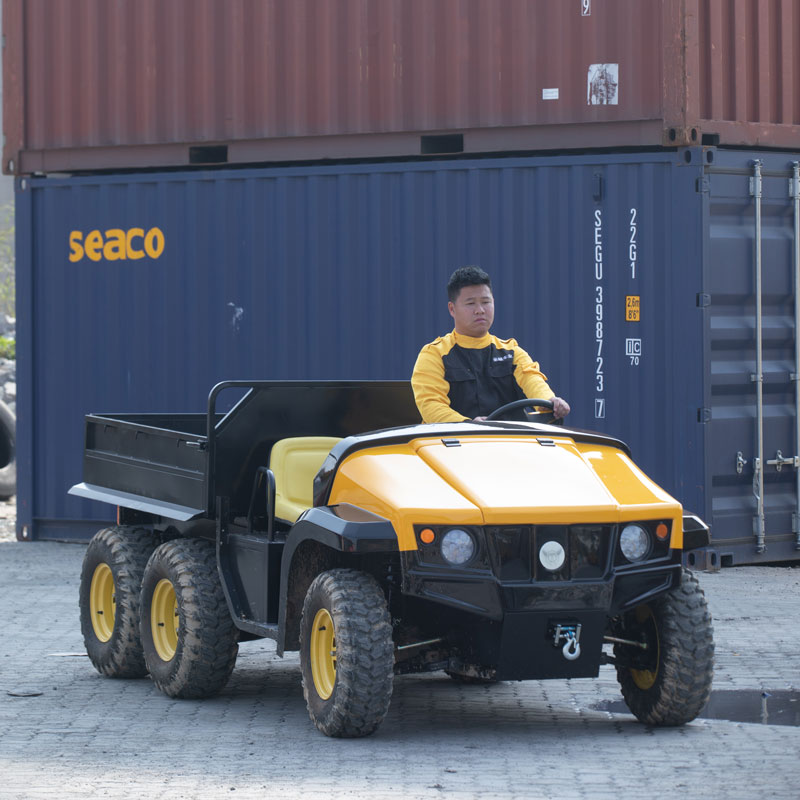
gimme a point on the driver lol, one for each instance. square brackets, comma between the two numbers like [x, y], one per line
[468, 373]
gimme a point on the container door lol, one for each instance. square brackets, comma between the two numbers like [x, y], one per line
[751, 332]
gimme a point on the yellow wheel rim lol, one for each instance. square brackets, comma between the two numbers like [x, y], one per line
[644, 678]
[164, 620]
[102, 602]
[323, 654]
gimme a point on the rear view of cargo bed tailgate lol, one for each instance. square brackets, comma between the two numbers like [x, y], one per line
[155, 463]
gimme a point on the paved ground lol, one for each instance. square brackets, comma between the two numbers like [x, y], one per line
[82, 735]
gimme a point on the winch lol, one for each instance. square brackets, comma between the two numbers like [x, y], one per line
[570, 634]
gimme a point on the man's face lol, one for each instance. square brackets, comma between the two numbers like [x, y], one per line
[473, 310]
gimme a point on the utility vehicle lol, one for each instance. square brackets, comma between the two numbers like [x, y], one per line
[326, 517]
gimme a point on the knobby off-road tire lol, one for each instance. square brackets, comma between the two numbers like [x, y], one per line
[674, 682]
[190, 642]
[346, 653]
[8, 452]
[111, 581]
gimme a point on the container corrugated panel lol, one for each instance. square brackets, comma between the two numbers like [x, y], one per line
[629, 277]
[104, 85]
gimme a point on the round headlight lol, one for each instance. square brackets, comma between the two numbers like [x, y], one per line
[552, 555]
[458, 546]
[634, 542]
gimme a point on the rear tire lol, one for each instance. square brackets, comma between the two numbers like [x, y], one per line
[8, 452]
[671, 681]
[190, 642]
[346, 653]
[111, 580]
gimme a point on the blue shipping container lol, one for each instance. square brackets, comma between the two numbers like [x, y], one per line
[630, 277]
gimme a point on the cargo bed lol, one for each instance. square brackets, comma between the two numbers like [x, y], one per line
[175, 465]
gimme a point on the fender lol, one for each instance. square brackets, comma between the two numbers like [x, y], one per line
[342, 528]
[696, 533]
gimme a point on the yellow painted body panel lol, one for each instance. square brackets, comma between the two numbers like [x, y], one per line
[395, 483]
[640, 497]
[501, 480]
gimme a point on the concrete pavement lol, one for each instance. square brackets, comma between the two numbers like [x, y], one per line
[77, 734]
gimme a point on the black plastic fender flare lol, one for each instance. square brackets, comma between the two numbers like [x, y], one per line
[343, 528]
[696, 533]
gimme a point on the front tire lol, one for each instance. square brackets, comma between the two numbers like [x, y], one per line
[189, 640]
[346, 653]
[111, 580]
[668, 683]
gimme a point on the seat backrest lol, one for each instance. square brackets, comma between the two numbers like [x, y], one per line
[295, 462]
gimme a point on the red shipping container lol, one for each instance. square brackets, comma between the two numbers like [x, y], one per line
[112, 84]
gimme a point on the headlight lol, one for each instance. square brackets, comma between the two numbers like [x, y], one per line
[552, 555]
[458, 546]
[634, 542]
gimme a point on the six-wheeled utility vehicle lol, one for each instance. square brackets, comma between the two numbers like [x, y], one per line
[497, 550]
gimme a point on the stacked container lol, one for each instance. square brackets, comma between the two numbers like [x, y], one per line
[581, 152]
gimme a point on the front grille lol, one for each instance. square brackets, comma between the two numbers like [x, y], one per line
[514, 551]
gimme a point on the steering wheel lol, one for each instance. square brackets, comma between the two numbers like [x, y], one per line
[526, 402]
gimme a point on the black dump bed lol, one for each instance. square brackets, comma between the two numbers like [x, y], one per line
[175, 465]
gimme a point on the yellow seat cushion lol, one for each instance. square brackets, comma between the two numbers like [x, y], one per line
[295, 462]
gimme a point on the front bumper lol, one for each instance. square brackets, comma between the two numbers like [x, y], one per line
[508, 628]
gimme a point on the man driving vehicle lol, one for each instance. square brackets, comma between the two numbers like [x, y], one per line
[469, 372]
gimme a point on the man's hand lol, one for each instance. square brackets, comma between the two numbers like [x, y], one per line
[560, 407]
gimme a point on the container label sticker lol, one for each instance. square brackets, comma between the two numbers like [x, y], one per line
[633, 350]
[550, 94]
[603, 85]
[632, 308]
[116, 244]
[599, 332]
[633, 252]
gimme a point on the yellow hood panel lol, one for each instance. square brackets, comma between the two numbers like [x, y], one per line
[518, 479]
[510, 479]
[499, 480]
[396, 484]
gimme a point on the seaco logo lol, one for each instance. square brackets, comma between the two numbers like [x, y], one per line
[116, 244]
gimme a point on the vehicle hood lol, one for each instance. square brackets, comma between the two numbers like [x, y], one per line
[554, 479]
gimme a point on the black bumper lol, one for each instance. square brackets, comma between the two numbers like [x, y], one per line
[512, 628]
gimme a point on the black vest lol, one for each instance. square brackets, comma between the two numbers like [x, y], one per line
[480, 380]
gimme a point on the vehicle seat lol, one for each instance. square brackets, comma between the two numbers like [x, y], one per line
[295, 462]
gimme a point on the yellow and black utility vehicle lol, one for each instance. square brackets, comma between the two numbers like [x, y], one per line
[497, 550]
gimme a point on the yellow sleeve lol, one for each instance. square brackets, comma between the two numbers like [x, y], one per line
[530, 378]
[431, 389]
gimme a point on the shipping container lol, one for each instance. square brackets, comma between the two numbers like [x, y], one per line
[634, 280]
[99, 85]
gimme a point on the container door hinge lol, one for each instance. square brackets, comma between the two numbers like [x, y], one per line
[779, 462]
[703, 300]
[704, 415]
[703, 185]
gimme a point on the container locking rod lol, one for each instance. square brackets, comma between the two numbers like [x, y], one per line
[794, 193]
[758, 378]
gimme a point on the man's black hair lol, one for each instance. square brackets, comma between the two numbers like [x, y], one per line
[466, 276]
